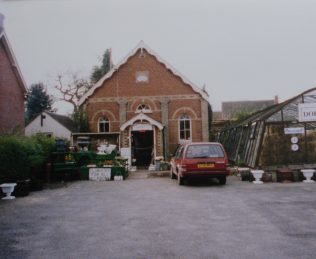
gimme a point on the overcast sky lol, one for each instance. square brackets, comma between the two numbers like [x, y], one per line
[240, 49]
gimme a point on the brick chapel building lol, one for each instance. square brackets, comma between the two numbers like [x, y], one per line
[146, 107]
[12, 88]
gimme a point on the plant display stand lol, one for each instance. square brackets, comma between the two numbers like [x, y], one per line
[8, 188]
[257, 174]
[308, 174]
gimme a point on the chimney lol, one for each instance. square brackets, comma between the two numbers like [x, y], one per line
[276, 99]
[1, 21]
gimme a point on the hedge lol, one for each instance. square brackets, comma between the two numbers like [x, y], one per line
[19, 154]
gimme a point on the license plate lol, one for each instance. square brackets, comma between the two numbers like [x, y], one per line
[205, 165]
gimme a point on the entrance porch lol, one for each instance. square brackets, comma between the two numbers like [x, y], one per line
[142, 141]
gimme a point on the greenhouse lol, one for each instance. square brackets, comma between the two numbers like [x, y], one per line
[282, 135]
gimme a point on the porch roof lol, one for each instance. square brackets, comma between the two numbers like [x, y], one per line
[141, 117]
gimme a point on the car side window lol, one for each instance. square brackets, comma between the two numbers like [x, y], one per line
[179, 152]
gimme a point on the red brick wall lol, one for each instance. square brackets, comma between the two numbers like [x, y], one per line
[162, 82]
[11, 97]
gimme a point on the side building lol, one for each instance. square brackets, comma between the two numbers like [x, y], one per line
[12, 88]
[146, 107]
[282, 135]
[51, 125]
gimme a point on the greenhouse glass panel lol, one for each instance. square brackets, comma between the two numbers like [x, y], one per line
[276, 117]
[310, 97]
[290, 111]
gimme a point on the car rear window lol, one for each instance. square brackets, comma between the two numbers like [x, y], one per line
[204, 151]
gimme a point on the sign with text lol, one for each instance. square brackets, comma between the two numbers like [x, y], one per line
[100, 174]
[296, 130]
[306, 112]
[141, 127]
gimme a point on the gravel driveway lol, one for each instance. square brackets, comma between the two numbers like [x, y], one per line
[156, 218]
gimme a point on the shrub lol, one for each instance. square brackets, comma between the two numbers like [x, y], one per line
[19, 154]
[13, 159]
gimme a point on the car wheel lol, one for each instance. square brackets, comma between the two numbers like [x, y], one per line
[180, 180]
[172, 176]
[222, 180]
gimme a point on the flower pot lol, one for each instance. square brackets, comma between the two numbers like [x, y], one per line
[22, 188]
[284, 175]
[257, 174]
[266, 177]
[308, 174]
[244, 173]
[7, 189]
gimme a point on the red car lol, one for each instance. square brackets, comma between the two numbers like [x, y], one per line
[197, 160]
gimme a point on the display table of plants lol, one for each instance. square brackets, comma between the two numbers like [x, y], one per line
[104, 167]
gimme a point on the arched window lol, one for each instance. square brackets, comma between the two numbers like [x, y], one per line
[104, 124]
[143, 108]
[184, 127]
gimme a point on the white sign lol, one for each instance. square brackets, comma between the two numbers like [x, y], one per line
[138, 127]
[296, 130]
[100, 174]
[295, 147]
[306, 112]
[294, 140]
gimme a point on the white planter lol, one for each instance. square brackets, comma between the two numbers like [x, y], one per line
[8, 188]
[308, 174]
[257, 174]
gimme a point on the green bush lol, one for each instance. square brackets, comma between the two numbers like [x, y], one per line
[19, 154]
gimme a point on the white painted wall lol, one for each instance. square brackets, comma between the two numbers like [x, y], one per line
[50, 125]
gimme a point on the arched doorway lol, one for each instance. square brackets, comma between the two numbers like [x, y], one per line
[142, 144]
[142, 139]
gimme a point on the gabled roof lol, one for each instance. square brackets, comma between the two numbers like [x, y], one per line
[14, 64]
[142, 45]
[63, 120]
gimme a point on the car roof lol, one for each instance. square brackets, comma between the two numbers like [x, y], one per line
[202, 143]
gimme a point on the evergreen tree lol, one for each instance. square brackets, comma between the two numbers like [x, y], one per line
[80, 119]
[37, 101]
[106, 66]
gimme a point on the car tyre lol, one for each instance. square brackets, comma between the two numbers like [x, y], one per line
[180, 180]
[222, 180]
[172, 176]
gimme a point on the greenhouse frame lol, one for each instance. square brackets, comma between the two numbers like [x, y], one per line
[283, 134]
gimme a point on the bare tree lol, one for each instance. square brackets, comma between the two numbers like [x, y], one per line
[73, 90]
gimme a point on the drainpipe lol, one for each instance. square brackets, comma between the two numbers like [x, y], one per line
[164, 144]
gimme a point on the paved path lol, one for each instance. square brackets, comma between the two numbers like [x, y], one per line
[156, 218]
[143, 174]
